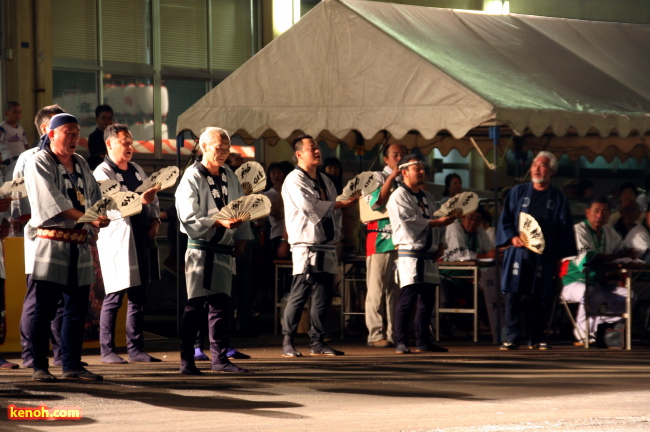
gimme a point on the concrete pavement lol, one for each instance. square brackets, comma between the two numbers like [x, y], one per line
[470, 388]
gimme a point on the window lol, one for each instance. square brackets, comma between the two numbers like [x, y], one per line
[74, 29]
[232, 39]
[183, 33]
[126, 31]
[201, 42]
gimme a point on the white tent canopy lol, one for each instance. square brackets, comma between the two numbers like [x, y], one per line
[429, 77]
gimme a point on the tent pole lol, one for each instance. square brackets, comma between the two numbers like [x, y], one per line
[495, 134]
[180, 142]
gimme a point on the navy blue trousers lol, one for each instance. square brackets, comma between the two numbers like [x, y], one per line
[75, 306]
[29, 305]
[422, 296]
[218, 310]
[533, 309]
[137, 297]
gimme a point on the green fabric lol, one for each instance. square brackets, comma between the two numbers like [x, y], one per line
[383, 241]
[575, 271]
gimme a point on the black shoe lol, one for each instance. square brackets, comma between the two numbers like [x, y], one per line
[234, 354]
[143, 357]
[43, 376]
[83, 374]
[190, 370]
[60, 363]
[508, 346]
[324, 350]
[430, 348]
[543, 346]
[402, 349]
[288, 350]
[228, 367]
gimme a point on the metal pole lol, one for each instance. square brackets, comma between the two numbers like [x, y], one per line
[495, 134]
[180, 142]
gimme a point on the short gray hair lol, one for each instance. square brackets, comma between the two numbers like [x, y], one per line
[210, 134]
[550, 156]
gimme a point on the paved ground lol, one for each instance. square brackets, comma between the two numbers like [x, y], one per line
[470, 388]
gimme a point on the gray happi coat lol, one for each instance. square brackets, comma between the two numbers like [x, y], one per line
[47, 194]
[195, 207]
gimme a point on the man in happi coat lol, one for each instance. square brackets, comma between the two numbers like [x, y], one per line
[419, 238]
[123, 249]
[207, 187]
[313, 222]
[20, 214]
[598, 243]
[526, 273]
[60, 188]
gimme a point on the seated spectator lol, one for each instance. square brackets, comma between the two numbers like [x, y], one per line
[630, 213]
[627, 191]
[467, 240]
[644, 197]
[571, 189]
[597, 244]
[453, 186]
[638, 238]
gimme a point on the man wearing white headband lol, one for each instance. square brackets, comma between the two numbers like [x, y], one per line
[61, 188]
[419, 239]
[526, 273]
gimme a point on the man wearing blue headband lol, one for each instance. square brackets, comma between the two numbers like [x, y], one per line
[61, 188]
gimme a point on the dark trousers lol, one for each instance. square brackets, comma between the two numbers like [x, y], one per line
[75, 305]
[422, 295]
[321, 288]
[137, 297]
[218, 310]
[535, 313]
[29, 304]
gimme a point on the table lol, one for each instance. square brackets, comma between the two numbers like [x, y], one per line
[472, 266]
[628, 270]
[357, 263]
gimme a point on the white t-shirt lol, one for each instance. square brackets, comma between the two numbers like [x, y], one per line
[12, 140]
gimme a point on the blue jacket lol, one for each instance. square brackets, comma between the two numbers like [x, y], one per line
[559, 237]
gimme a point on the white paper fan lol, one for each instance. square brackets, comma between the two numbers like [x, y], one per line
[108, 187]
[249, 207]
[14, 188]
[459, 205]
[251, 176]
[531, 233]
[161, 179]
[126, 203]
[98, 209]
[361, 185]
